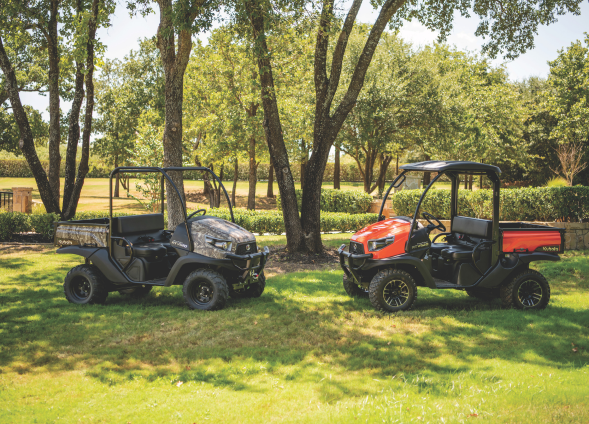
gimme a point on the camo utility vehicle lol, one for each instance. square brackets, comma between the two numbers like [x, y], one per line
[210, 257]
[386, 261]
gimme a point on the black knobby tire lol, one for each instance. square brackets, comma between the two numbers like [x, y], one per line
[528, 290]
[205, 289]
[353, 289]
[256, 289]
[485, 294]
[392, 290]
[137, 292]
[85, 284]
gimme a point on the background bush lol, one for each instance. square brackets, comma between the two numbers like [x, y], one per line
[343, 201]
[18, 168]
[522, 204]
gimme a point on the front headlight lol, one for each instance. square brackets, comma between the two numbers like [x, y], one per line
[374, 245]
[220, 244]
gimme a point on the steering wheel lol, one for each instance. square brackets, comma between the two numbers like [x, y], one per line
[204, 211]
[428, 217]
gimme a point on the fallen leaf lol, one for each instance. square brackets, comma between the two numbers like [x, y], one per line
[188, 367]
[473, 415]
[163, 323]
[178, 384]
[575, 350]
[389, 343]
[255, 322]
[572, 344]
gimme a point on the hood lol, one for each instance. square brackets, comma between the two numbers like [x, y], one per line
[219, 229]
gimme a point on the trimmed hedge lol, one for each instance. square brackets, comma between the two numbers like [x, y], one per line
[522, 204]
[17, 222]
[341, 201]
[19, 168]
[272, 222]
[261, 222]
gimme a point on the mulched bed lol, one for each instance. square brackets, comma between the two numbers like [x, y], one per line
[282, 261]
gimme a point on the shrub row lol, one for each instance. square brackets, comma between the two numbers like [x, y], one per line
[261, 222]
[524, 204]
[342, 201]
[16, 222]
[272, 222]
[18, 168]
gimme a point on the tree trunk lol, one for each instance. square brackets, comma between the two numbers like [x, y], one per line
[73, 134]
[174, 56]
[426, 175]
[470, 182]
[252, 178]
[273, 131]
[70, 210]
[336, 168]
[235, 176]
[466, 181]
[26, 142]
[304, 161]
[270, 191]
[54, 112]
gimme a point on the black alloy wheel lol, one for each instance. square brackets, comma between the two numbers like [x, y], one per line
[80, 289]
[205, 289]
[392, 290]
[529, 293]
[396, 293]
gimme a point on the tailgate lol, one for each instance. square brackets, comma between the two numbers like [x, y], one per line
[533, 240]
[79, 233]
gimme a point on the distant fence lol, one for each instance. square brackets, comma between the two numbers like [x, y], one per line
[6, 200]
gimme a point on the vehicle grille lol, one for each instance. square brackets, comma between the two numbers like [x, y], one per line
[242, 249]
[357, 248]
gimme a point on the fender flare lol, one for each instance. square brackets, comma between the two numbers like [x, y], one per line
[405, 259]
[78, 250]
[538, 256]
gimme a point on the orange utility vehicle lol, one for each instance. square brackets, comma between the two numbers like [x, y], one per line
[386, 261]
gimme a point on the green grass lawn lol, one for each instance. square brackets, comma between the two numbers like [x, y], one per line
[303, 352]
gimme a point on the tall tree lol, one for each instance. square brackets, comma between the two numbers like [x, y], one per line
[510, 27]
[179, 20]
[78, 22]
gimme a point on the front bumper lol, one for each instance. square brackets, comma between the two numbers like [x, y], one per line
[251, 263]
[352, 260]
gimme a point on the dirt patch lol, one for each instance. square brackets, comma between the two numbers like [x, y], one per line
[262, 202]
[281, 261]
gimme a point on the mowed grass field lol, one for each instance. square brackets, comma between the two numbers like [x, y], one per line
[303, 352]
[95, 193]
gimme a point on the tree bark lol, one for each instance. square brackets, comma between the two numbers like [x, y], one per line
[252, 178]
[426, 175]
[235, 176]
[470, 182]
[304, 161]
[54, 111]
[273, 130]
[70, 210]
[26, 142]
[336, 168]
[270, 191]
[326, 126]
[174, 55]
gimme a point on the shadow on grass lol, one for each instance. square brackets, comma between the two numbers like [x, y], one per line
[301, 320]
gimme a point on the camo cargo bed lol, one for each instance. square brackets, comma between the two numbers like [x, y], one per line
[85, 233]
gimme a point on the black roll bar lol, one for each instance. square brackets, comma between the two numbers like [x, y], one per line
[384, 198]
[163, 171]
[414, 222]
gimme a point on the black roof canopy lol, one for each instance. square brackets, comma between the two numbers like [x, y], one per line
[450, 165]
